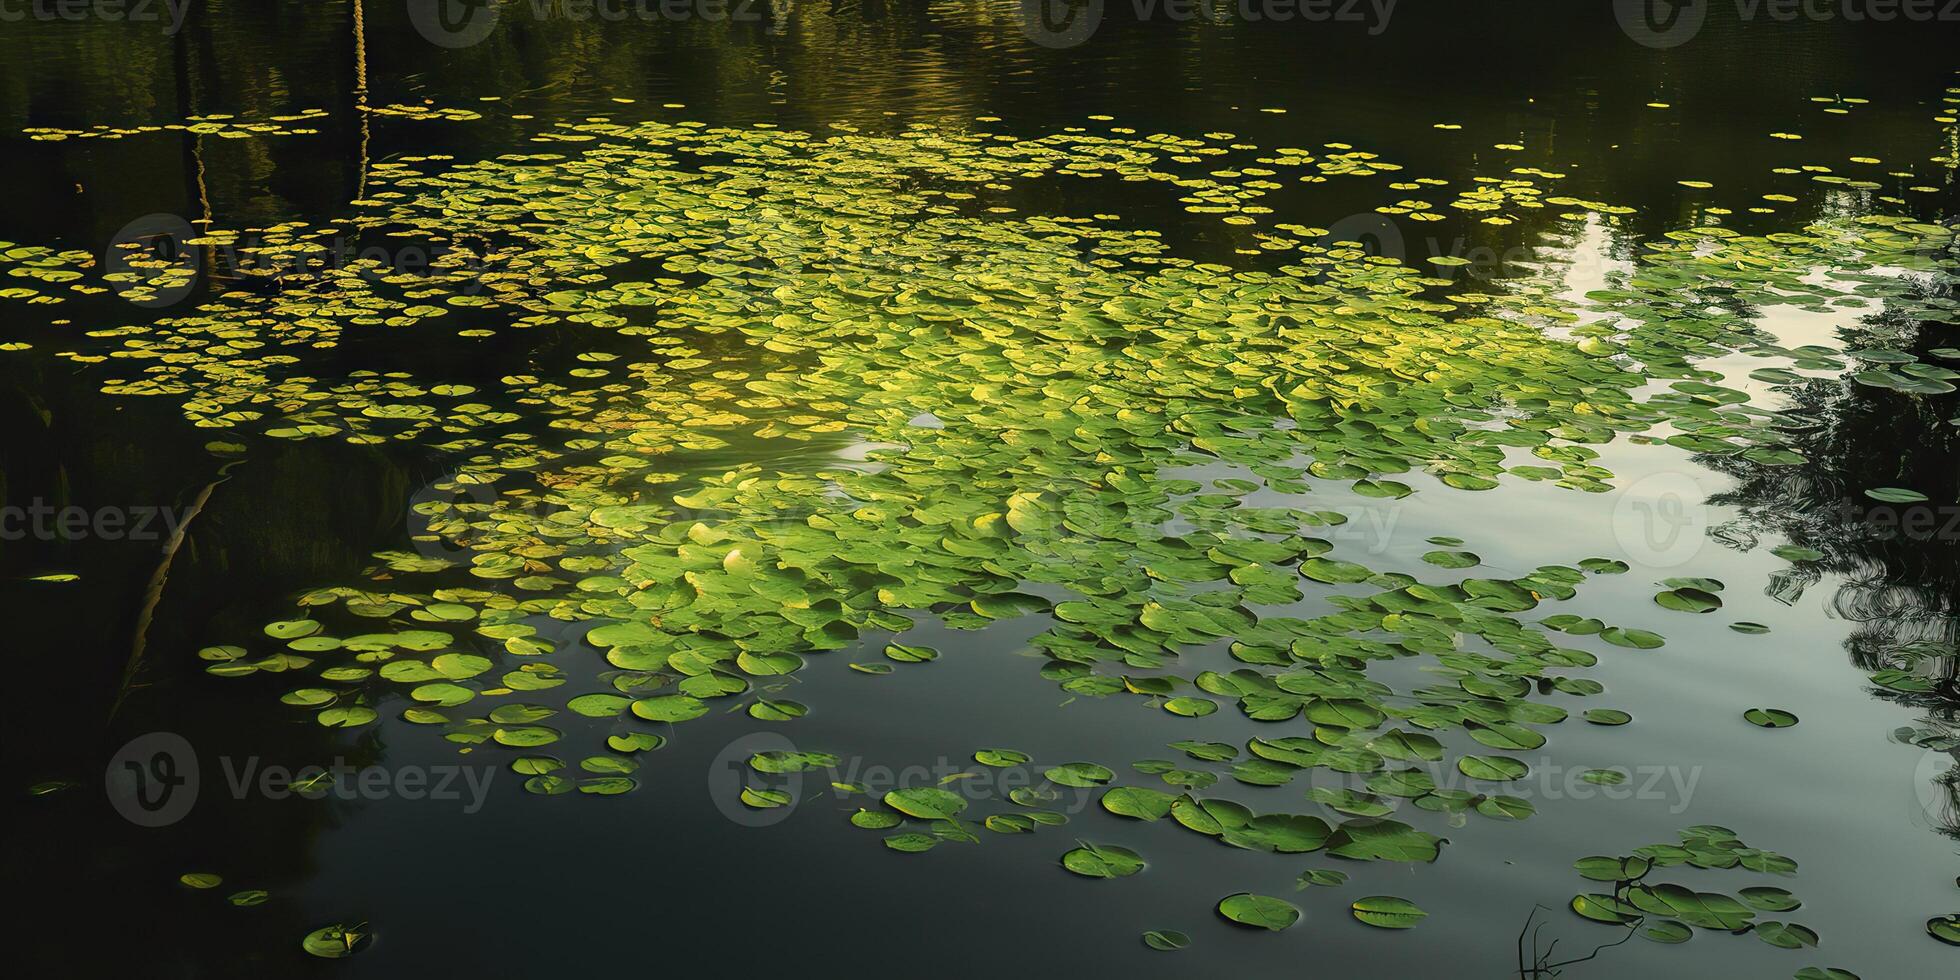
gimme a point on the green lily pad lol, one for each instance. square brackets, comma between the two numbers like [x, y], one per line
[1259, 911]
[1102, 861]
[1388, 912]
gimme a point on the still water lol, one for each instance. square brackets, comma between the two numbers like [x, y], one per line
[709, 292]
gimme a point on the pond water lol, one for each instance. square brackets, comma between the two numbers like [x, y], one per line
[832, 487]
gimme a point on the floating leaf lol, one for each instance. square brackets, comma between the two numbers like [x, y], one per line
[1259, 911]
[1388, 912]
[1102, 861]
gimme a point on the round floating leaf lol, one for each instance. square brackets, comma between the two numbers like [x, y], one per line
[1259, 911]
[876, 819]
[1607, 716]
[1766, 899]
[1945, 928]
[443, 693]
[249, 897]
[764, 799]
[1191, 707]
[1506, 808]
[1388, 912]
[1000, 758]
[599, 705]
[525, 736]
[1495, 768]
[335, 941]
[1138, 803]
[1605, 908]
[604, 786]
[1750, 628]
[1785, 935]
[1452, 559]
[776, 710]
[768, 664]
[670, 707]
[1010, 823]
[1102, 861]
[910, 654]
[911, 843]
[345, 717]
[1335, 572]
[296, 628]
[1323, 878]
[925, 803]
[309, 697]
[1166, 940]
[1667, 931]
[1632, 638]
[536, 765]
[460, 666]
[1384, 840]
[1769, 717]
[1689, 600]
[200, 879]
[635, 742]
[1612, 868]
[1081, 775]
[608, 764]
[548, 785]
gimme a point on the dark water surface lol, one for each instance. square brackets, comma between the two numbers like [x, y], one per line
[678, 877]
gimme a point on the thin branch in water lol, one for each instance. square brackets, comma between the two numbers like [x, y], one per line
[153, 593]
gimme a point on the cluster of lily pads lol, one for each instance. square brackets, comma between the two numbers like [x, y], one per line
[1665, 912]
[975, 414]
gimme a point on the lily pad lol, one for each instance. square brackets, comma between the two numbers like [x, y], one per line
[1259, 911]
